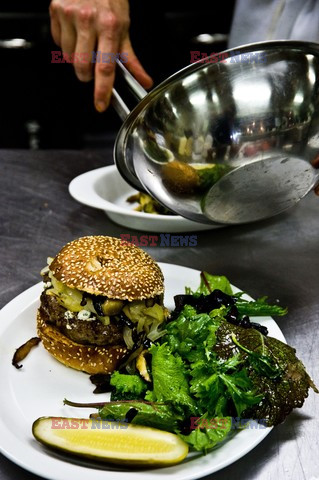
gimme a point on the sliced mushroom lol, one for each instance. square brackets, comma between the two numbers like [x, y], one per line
[23, 351]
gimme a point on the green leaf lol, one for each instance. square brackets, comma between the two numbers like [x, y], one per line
[209, 283]
[241, 390]
[192, 335]
[217, 382]
[204, 439]
[170, 380]
[230, 364]
[208, 391]
[152, 415]
[262, 364]
[279, 395]
[260, 307]
[128, 384]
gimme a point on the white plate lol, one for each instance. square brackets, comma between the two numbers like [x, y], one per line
[38, 389]
[105, 189]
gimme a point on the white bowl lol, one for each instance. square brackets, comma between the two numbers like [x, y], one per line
[105, 189]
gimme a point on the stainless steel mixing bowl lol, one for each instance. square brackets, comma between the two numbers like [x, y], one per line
[253, 113]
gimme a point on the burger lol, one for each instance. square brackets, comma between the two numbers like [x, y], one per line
[102, 304]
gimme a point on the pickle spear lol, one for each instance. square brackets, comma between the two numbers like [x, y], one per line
[114, 442]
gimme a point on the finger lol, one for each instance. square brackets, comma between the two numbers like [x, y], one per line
[68, 32]
[86, 40]
[134, 66]
[55, 25]
[105, 71]
[110, 30]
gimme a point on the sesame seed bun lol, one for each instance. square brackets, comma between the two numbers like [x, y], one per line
[108, 266]
[87, 358]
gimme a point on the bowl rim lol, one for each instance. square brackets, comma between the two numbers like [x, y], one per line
[92, 199]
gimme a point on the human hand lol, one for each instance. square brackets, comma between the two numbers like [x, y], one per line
[81, 26]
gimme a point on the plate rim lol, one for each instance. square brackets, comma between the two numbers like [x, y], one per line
[28, 297]
[106, 204]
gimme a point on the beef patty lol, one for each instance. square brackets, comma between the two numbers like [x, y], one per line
[91, 332]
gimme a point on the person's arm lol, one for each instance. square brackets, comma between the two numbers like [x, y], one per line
[84, 26]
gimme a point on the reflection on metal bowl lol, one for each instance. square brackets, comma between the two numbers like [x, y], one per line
[255, 116]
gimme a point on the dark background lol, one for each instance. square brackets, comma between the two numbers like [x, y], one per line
[43, 105]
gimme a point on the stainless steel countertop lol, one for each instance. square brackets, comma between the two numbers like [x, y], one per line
[278, 257]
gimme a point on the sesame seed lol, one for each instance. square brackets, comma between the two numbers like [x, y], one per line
[126, 272]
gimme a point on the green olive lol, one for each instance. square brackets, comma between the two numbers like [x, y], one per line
[112, 307]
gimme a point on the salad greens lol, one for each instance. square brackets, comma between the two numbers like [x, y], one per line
[143, 413]
[170, 380]
[261, 363]
[209, 283]
[259, 307]
[213, 364]
[129, 387]
[282, 391]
